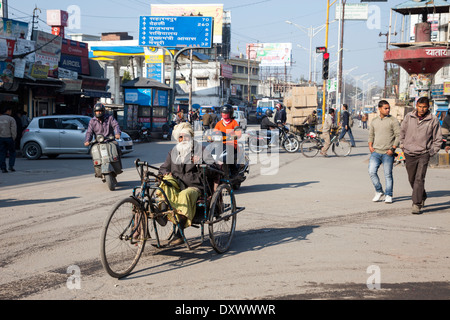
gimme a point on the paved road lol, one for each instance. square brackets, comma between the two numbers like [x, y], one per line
[310, 231]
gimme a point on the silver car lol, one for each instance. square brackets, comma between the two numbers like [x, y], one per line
[61, 134]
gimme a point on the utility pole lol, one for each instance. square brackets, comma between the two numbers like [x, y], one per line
[35, 20]
[341, 51]
[190, 82]
[4, 8]
[385, 64]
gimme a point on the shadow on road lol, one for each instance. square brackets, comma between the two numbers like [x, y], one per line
[14, 202]
[273, 186]
[243, 241]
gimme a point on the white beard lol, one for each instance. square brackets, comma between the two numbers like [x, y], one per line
[182, 152]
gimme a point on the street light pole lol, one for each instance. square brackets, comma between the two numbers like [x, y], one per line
[311, 32]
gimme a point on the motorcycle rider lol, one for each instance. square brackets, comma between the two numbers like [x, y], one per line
[105, 125]
[268, 125]
[230, 129]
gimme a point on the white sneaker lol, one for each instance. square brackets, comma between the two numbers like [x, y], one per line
[388, 199]
[378, 196]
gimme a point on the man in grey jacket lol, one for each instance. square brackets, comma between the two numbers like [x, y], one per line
[421, 138]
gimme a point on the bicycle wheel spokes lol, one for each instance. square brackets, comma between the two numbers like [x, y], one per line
[309, 148]
[123, 238]
[160, 228]
[342, 148]
[221, 232]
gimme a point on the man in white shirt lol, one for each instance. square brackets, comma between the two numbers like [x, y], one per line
[8, 133]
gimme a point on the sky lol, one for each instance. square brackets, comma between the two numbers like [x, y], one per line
[252, 21]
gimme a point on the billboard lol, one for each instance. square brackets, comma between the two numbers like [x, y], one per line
[13, 29]
[353, 11]
[271, 54]
[206, 10]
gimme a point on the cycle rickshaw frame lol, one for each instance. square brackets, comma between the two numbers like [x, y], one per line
[147, 213]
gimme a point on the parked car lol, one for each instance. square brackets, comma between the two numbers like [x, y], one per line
[239, 116]
[61, 134]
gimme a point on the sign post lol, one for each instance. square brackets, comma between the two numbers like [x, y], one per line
[187, 33]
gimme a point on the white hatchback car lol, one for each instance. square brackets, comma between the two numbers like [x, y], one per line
[61, 134]
[239, 116]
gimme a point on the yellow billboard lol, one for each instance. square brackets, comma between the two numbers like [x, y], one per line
[206, 10]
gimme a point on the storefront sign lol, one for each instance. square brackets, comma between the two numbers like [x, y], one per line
[141, 97]
[25, 46]
[67, 74]
[161, 98]
[71, 63]
[446, 88]
[6, 73]
[57, 18]
[72, 85]
[39, 71]
[74, 48]
[227, 71]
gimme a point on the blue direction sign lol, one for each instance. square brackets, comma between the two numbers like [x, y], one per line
[175, 32]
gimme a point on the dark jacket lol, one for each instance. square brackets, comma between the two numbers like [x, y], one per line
[266, 123]
[280, 116]
[345, 119]
[189, 174]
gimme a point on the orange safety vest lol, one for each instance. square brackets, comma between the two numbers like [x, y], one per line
[227, 129]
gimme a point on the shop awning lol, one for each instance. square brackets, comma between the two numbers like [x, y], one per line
[419, 7]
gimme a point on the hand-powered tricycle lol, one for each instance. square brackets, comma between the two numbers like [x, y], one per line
[139, 218]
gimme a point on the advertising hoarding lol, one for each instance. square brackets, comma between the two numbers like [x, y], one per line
[271, 54]
[13, 29]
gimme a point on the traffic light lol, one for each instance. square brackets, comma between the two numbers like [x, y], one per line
[325, 66]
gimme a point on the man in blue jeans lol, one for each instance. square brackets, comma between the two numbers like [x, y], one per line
[346, 128]
[384, 137]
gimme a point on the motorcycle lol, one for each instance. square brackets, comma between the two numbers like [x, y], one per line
[237, 171]
[167, 129]
[257, 142]
[106, 159]
[144, 134]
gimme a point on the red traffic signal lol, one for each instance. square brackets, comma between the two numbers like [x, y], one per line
[326, 55]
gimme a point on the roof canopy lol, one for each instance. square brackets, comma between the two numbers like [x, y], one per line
[420, 7]
[109, 52]
[145, 83]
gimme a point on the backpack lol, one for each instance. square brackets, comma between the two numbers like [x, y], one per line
[350, 120]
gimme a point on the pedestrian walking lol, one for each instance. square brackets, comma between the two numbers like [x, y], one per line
[346, 125]
[384, 138]
[364, 119]
[8, 134]
[421, 138]
[326, 130]
[207, 120]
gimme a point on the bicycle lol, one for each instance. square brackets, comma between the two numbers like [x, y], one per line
[139, 218]
[312, 144]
